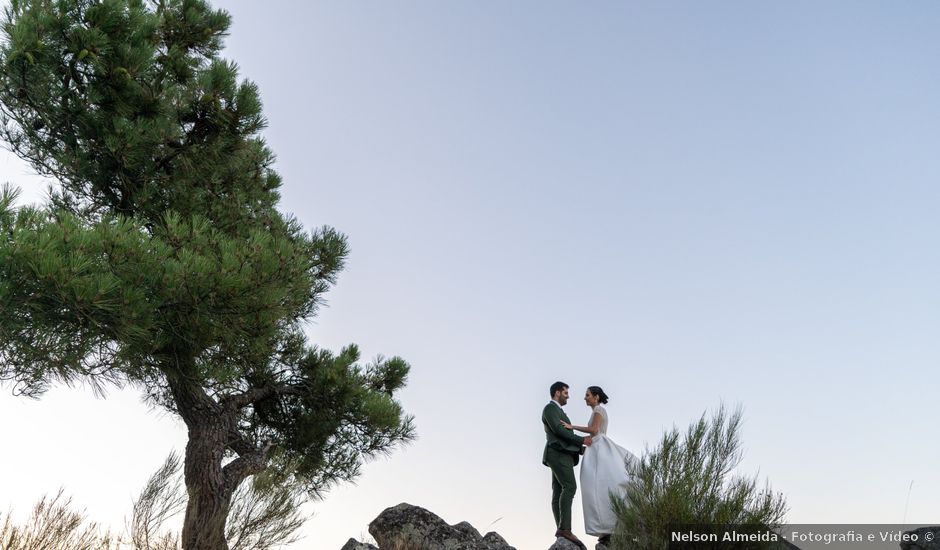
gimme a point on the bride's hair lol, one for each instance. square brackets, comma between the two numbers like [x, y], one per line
[597, 392]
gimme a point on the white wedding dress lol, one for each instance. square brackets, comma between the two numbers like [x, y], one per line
[603, 470]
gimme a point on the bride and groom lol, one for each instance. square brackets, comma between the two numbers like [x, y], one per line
[602, 471]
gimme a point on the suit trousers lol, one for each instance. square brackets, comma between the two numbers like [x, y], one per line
[563, 486]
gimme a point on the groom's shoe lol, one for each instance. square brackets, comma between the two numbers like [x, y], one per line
[567, 534]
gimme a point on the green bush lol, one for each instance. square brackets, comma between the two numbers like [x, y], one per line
[689, 480]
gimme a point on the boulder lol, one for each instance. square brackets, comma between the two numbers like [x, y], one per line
[564, 544]
[469, 530]
[353, 544]
[413, 528]
[495, 541]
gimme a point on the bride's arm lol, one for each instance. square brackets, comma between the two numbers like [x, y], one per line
[591, 429]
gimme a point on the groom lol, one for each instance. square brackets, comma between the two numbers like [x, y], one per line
[562, 449]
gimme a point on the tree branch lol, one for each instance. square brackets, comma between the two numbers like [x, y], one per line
[254, 395]
[246, 465]
[238, 443]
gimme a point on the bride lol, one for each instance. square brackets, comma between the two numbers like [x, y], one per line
[603, 469]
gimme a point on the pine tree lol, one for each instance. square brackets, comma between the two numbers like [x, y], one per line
[160, 260]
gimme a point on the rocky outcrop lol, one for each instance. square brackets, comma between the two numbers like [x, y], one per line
[565, 544]
[495, 541]
[353, 544]
[408, 527]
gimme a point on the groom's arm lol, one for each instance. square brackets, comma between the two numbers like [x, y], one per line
[593, 426]
[552, 418]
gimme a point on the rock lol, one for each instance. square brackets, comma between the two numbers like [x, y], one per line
[564, 544]
[469, 530]
[353, 544]
[922, 542]
[414, 528]
[495, 541]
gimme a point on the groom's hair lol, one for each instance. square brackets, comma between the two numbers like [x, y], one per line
[557, 386]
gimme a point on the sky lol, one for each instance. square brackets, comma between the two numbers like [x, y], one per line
[685, 203]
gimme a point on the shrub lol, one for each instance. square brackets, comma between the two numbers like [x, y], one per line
[689, 481]
[55, 525]
[262, 517]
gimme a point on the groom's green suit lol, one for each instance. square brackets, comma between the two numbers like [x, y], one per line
[562, 449]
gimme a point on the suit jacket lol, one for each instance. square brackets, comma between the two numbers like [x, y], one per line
[557, 437]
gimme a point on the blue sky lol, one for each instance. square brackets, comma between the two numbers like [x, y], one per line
[686, 204]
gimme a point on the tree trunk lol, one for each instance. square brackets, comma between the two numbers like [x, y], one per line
[210, 495]
[210, 487]
[209, 490]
